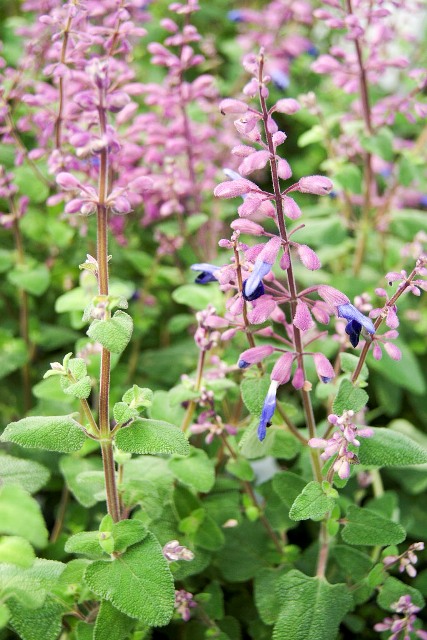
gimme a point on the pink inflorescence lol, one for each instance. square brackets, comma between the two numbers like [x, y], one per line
[347, 434]
[401, 626]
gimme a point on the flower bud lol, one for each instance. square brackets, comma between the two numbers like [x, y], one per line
[318, 185]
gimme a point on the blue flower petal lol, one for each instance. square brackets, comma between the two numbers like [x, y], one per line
[259, 271]
[267, 411]
[349, 312]
[259, 291]
[206, 272]
[242, 364]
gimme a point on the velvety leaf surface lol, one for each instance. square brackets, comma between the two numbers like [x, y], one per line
[389, 448]
[54, 433]
[152, 436]
[349, 397]
[196, 471]
[114, 334]
[311, 503]
[365, 527]
[137, 583]
[310, 608]
[20, 515]
[112, 624]
[30, 475]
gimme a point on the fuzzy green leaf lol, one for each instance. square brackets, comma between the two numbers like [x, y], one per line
[240, 468]
[355, 564]
[13, 354]
[72, 470]
[311, 608]
[152, 436]
[86, 543]
[196, 471]
[265, 592]
[349, 398]
[393, 589]
[389, 448]
[54, 433]
[311, 503]
[198, 297]
[288, 486]
[43, 623]
[137, 397]
[365, 527]
[114, 334]
[30, 475]
[16, 550]
[80, 389]
[138, 583]
[21, 515]
[253, 392]
[33, 278]
[112, 624]
[278, 443]
[122, 412]
[20, 584]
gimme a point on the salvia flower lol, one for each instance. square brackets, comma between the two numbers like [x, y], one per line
[183, 603]
[406, 560]
[207, 272]
[173, 551]
[401, 627]
[356, 320]
[338, 444]
[263, 265]
[254, 355]
[268, 409]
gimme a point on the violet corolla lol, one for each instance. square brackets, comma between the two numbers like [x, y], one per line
[347, 434]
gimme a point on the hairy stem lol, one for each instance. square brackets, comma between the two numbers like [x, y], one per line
[306, 398]
[192, 404]
[103, 290]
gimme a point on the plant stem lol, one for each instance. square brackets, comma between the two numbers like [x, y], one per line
[103, 290]
[306, 399]
[59, 521]
[402, 288]
[192, 404]
[58, 121]
[322, 560]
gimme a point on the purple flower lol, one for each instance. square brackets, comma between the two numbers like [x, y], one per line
[207, 272]
[268, 410]
[356, 321]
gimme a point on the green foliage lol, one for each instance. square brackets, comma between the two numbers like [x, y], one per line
[111, 624]
[152, 436]
[20, 515]
[314, 501]
[137, 583]
[388, 448]
[196, 471]
[349, 398]
[114, 334]
[54, 433]
[365, 527]
[393, 589]
[30, 475]
[310, 608]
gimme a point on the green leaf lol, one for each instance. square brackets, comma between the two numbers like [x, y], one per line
[4, 615]
[364, 527]
[380, 144]
[405, 373]
[127, 533]
[30, 475]
[6, 260]
[13, 354]
[54, 433]
[122, 412]
[22, 585]
[311, 136]
[196, 471]
[137, 397]
[253, 392]
[152, 436]
[20, 515]
[32, 278]
[311, 608]
[199, 297]
[137, 583]
[349, 398]
[349, 177]
[288, 486]
[72, 469]
[265, 593]
[278, 443]
[80, 389]
[113, 334]
[240, 468]
[245, 551]
[30, 184]
[43, 623]
[111, 624]
[86, 543]
[15, 550]
[389, 448]
[311, 503]
[349, 363]
[393, 589]
[354, 564]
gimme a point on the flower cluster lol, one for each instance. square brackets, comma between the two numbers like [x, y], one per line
[338, 445]
[184, 602]
[404, 624]
[406, 560]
